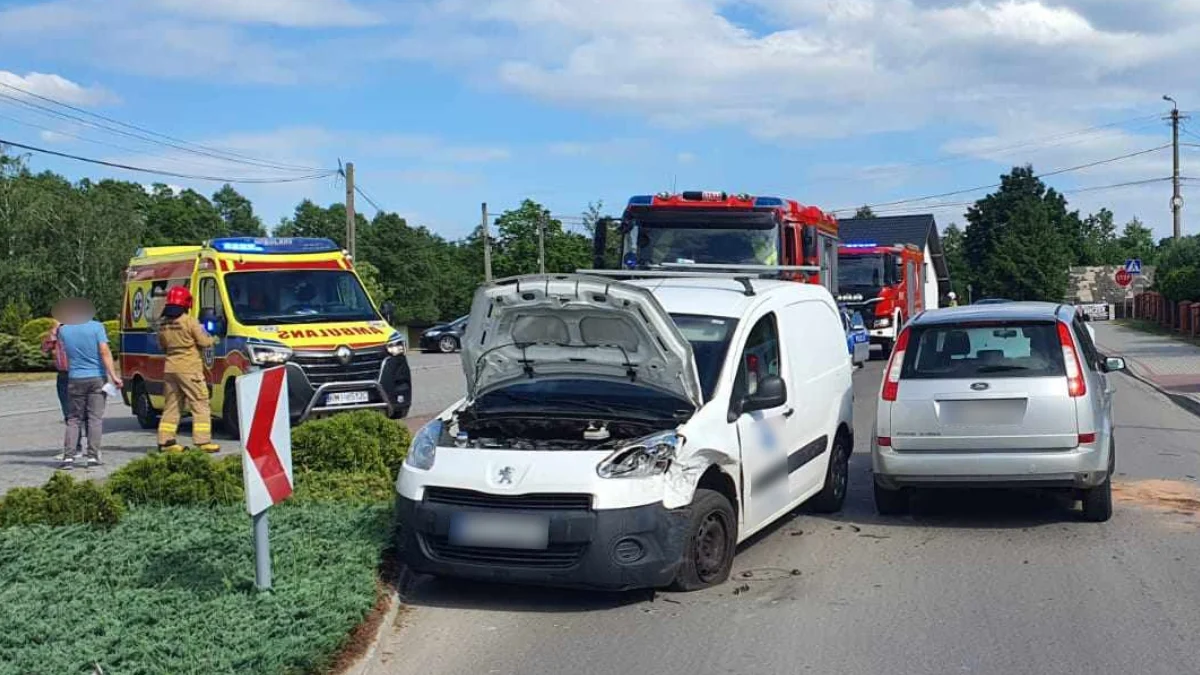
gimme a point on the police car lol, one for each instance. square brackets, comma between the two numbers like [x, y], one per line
[629, 434]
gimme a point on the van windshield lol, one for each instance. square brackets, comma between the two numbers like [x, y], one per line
[297, 296]
[960, 351]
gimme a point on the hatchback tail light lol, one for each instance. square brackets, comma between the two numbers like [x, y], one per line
[1076, 386]
[891, 379]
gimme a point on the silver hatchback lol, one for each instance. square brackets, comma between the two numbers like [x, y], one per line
[1001, 395]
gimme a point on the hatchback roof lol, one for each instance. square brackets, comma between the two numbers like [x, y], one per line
[1007, 311]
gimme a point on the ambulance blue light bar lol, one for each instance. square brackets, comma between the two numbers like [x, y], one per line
[274, 245]
[860, 244]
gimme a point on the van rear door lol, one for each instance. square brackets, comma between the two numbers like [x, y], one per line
[984, 387]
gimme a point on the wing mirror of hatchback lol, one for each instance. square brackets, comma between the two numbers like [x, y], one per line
[771, 393]
[1114, 364]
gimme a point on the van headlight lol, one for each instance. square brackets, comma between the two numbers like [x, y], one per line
[423, 450]
[396, 347]
[647, 456]
[264, 354]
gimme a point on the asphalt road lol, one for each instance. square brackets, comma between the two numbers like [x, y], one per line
[1000, 583]
[31, 428]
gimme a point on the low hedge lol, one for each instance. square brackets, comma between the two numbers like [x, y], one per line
[354, 442]
[36, 330]
[18, 356]
[189, 478]
[345, 488]
[61, 501]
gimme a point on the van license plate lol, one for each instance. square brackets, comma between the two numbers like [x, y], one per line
[347, 397]
[490, 530]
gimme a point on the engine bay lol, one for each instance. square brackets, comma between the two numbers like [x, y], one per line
[539, 432]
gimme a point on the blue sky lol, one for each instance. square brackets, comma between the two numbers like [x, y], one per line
[443, 104]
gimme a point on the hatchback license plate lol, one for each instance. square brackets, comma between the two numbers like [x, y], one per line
[488, 530]
[347, 397]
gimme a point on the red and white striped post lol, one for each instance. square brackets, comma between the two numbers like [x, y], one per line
[266, 455]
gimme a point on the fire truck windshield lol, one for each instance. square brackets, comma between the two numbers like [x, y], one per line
[861, 270]
[696, 238]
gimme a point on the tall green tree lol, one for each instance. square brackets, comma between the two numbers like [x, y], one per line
[956, 260]
[516, 246]
[1137, 241]
[237, 213]
[864, 211]
[1001, 229]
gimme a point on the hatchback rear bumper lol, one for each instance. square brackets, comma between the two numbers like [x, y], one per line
[1082, 467]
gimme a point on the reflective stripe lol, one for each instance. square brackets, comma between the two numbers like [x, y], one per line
[201, 427]
[165, 426]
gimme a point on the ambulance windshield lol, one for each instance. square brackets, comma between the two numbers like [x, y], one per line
[298, 296]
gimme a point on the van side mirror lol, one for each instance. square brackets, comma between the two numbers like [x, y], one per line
[771, 393]
[1114, 364]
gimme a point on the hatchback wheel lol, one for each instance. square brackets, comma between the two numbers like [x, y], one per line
[447, 344]
[711, 540]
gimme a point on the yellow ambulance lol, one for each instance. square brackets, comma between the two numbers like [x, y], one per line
[296, 302]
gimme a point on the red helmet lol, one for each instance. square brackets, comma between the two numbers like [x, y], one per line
[180, 296]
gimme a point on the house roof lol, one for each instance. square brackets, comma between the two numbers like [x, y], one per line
[920, 230]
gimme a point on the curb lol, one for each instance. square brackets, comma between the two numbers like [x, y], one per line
[1182, 400]
[360, 666]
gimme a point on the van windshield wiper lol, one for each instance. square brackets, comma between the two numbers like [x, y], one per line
[574, 404]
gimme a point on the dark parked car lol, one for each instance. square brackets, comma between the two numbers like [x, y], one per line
[445, 338]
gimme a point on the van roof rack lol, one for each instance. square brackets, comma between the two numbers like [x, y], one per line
[764, 270]
[743, 279]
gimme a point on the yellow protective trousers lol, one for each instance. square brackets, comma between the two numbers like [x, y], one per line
[192, 390]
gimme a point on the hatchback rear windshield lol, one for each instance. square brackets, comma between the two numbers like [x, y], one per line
[990, 350]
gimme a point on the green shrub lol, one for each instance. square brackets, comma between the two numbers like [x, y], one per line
[14, 316]
[346, 488]
[36, 330]
[62, 501]
[113, 330]
[189, 478]
[21, 357]
[354, 442]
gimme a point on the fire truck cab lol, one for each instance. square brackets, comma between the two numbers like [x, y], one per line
[885, 283]
[716, 228]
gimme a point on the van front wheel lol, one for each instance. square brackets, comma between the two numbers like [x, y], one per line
[710, 544]
[837, 478]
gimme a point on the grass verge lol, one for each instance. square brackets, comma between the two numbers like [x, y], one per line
[1156, 329]
[170, 590]
[21, 378]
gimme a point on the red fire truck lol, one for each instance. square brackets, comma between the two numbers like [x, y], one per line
[886, 284]
[713, 229]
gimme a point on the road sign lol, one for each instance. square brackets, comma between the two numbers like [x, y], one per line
[1123, 278]
[266, 455]
[1133, 266]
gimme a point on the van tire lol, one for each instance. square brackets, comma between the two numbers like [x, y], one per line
[143, 408]
[889, 502]
[710, 543]
[837, 478]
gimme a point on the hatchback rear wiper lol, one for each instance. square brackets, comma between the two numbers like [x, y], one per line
[998, 369]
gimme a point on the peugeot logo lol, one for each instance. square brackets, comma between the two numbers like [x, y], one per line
[344, 355]
[980, 386]
[505, 475]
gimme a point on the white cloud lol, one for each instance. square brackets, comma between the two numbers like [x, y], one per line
[685, 157]
[56, 87]
[288, 13]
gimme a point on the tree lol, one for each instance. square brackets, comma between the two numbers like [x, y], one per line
[1178, 273]
[612, 242]
[516, 246]
[1096, 243]
[956, 261]
[237, 213]
[1137, 241]
[1002, 226]
[864, 211]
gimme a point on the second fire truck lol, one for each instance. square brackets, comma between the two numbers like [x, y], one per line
[712, 229]
[885, 283]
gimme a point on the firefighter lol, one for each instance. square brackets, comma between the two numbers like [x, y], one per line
[953, 297]
[184, 340]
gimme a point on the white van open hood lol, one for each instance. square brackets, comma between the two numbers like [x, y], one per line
[573, 325]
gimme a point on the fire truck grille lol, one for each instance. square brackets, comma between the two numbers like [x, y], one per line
[323, 368]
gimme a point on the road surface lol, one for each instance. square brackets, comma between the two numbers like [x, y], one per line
[999, 583]
[31, 428]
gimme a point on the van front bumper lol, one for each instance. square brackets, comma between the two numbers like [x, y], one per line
[1083, 467]
[612, 549]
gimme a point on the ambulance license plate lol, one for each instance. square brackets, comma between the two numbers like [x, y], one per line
[491, 530]
[347, 397]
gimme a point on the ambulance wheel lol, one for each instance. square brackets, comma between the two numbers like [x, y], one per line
[143, 408]
[710, 544]
[837, 478]
[229, 413]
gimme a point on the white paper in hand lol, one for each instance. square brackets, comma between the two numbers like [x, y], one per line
[110, 390]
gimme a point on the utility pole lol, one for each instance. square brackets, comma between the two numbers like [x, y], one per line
[487, 244]
[350, 208]
[1176, 197]
[542, 243]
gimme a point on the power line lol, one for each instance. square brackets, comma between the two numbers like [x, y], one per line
[160, 172]
[1094, 188]
[143, 134]
[363, 193]
[1056, 172]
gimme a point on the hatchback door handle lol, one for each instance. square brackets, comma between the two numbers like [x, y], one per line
[789, 412]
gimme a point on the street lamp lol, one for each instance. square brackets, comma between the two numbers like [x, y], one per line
[1171, 101]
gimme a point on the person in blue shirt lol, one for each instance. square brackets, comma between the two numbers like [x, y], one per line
[89, 365]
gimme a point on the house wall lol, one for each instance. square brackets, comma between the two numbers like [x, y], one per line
[933, 295]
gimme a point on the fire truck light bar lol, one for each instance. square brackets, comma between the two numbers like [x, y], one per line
[705, 196]
[641, 200]
[861, 244]
[767, 201]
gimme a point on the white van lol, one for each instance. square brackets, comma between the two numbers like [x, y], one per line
[623, 435]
